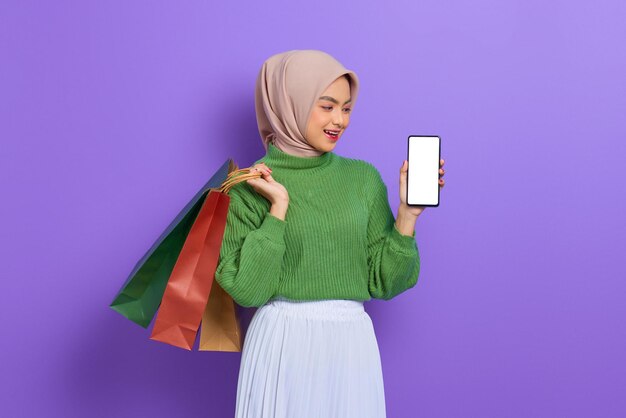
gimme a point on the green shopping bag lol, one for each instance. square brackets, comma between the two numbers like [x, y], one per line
[140, 296]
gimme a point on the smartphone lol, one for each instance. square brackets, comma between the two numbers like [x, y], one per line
[422, 183]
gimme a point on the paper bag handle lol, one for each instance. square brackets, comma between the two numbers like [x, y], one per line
[237, 176]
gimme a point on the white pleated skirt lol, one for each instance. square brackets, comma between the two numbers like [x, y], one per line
[310, 359]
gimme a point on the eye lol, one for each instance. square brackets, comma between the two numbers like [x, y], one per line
[348, 110]
[327, 107]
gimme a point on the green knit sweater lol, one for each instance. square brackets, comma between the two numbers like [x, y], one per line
[338, 239]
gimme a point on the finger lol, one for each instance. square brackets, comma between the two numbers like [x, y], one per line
[441, 162]
[262, 170]
[265, 173]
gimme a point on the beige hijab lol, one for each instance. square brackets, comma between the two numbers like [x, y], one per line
[287, 87]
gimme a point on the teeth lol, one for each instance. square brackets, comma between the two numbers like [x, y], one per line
[332, 132]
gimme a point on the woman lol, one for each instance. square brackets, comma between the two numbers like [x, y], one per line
[308, 243]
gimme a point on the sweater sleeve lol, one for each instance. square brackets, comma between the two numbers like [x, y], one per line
[393, 258]
[252, 252]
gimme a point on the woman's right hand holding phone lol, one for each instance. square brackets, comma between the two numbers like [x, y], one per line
[272, 190]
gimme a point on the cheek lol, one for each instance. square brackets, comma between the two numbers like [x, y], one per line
[314, 125]
[316, 122]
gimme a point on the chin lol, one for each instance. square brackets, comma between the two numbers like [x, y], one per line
[327, 147]
[322, 144]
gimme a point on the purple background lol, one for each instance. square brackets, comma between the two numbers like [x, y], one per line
[114, 114]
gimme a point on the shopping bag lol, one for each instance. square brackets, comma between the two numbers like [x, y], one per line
[186, 299]
[221, 325]
[189, 284]
[141, 294]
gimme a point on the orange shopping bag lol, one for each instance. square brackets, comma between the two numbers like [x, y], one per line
[221, 326]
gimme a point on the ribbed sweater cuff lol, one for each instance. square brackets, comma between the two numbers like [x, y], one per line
[273, 228]
[403, 243]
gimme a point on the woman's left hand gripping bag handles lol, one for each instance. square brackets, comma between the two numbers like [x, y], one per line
[177, 276]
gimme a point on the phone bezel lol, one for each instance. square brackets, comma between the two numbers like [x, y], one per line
[408, 141]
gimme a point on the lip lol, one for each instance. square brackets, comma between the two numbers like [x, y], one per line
[331, 138]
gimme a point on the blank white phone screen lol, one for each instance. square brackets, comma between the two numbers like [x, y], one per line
[423, 175]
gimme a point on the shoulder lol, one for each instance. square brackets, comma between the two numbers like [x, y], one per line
[363, 168]
[367, 172]
[368, 178]
[244, 197]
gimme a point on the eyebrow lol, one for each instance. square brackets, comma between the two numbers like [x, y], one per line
[331, 99]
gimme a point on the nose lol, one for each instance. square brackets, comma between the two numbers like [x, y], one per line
[338, 119]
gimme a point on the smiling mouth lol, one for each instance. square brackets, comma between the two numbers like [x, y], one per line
[334, 135]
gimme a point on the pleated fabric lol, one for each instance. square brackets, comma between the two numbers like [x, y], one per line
[310, 359]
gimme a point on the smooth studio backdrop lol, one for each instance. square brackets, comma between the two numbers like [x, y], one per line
[113, 114]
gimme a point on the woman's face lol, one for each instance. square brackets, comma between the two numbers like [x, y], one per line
[331, 112]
